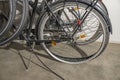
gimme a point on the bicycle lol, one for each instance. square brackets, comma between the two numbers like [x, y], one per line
[56, 31]
[59, 49]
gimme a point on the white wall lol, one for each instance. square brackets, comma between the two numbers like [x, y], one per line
[114, 11]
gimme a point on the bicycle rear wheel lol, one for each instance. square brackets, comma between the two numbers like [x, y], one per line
[73, 50]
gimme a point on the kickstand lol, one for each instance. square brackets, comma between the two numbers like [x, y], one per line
[30, 60]
[27, 65]
[30, 57]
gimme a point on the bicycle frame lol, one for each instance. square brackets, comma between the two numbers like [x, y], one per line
[40, 11]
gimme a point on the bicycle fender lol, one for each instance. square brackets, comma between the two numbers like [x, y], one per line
[101, 10]
[106, 17]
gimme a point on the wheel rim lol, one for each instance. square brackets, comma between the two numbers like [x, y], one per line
[59, 50]
[16, 30]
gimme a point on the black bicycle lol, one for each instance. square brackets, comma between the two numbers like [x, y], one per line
[71, 31]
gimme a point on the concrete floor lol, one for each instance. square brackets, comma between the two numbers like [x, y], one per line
[105, 67]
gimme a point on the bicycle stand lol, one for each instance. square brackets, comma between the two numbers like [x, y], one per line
[27, 64]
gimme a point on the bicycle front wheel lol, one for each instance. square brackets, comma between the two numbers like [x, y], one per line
[18, 24]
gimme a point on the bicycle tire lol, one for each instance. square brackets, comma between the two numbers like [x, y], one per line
[40, 31]
[12, 5]
[21, 25]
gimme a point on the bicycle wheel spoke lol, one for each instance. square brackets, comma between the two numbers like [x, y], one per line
[73, 13]
[67, 16]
